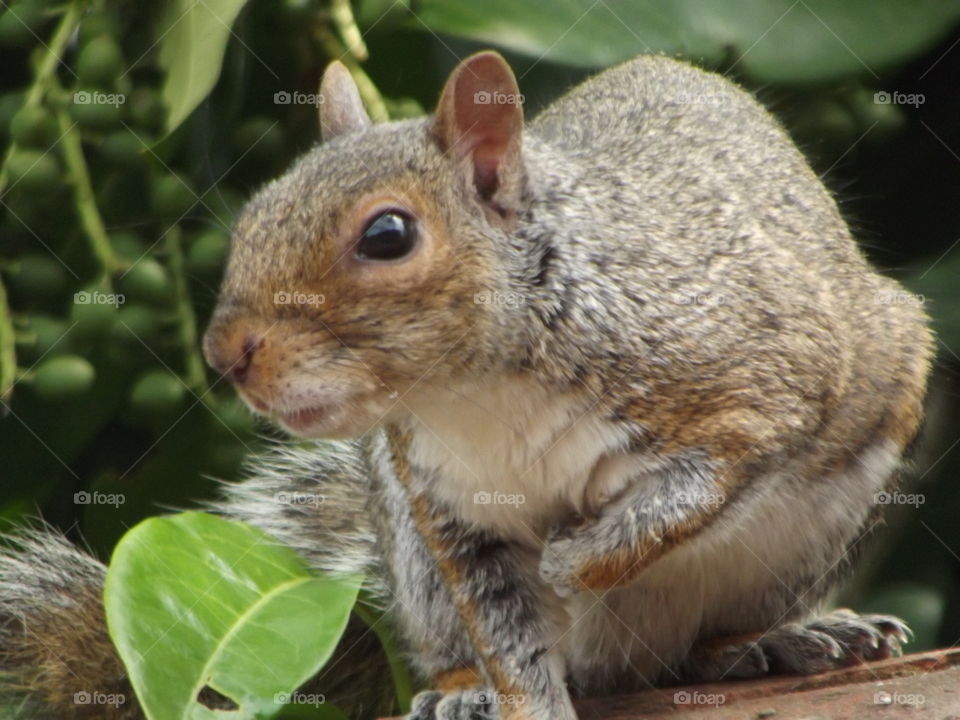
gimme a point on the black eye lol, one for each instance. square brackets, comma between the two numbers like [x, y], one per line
[389, 236]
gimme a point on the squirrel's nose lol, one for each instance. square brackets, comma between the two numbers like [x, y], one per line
[232, 358]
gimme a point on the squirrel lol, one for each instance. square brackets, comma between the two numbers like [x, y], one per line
[604, 400]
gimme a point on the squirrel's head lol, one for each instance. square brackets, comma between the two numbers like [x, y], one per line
[365, 274]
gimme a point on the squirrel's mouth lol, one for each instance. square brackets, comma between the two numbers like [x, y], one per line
[300, 421]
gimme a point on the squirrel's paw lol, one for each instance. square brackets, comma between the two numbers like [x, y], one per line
[461, 705]
[835, 640]
[559, 563]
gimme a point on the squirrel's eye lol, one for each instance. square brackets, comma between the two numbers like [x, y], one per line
[389, 236]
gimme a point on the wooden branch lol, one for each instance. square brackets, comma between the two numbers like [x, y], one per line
[925, 685]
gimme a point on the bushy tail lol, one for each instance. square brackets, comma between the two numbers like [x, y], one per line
[54, 646]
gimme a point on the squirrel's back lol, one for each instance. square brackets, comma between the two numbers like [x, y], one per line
[707, 245]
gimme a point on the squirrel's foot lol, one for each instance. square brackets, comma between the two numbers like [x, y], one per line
[835, 640]
[459, 705]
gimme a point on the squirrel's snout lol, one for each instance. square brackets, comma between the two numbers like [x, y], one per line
[231, 354]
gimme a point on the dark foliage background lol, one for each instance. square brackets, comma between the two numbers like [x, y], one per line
[136, 198]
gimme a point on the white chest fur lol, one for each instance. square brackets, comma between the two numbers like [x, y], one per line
[514, 456]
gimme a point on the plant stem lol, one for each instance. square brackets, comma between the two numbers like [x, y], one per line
[46, 70]
[194, 374]
[371, 97]
[342, 15]
[8, 356]
[398, 669]
[85, 199]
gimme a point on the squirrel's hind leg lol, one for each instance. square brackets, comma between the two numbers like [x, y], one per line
[835, 640]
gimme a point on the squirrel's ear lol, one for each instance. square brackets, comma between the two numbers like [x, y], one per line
[480, 115]
[341, 110]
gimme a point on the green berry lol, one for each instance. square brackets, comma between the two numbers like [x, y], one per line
[147, 110]
[136, 324]
[208, 253]
[34, 127]
[10, 104]
[128, 246]
[41, 336]
[157, 392]
[94, 311]
[122, 148]
[95, 25]
[172, 196]
[33, 170]
[100, 62]
[63, 377]
[37, 274]
[97, 110]
[20, 24]
[147, 281]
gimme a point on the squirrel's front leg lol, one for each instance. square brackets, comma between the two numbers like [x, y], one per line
[656, 512]
[505, 609]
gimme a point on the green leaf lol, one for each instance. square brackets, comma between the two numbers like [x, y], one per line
[193, 37]
[193, 601]
[769, 40]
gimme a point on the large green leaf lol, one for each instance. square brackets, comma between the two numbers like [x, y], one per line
[193, 37]
[770, 40]
[195, 601]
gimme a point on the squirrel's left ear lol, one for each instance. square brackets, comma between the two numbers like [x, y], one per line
[341, 110]
[480, 116]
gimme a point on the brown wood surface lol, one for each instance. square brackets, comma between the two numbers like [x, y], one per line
[925, 685]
